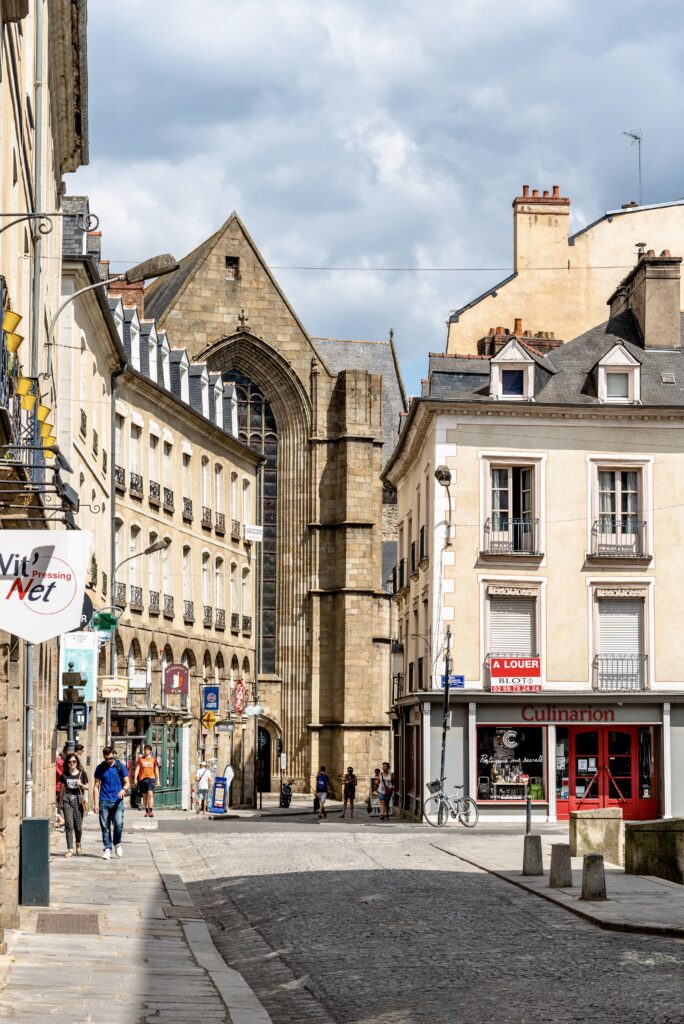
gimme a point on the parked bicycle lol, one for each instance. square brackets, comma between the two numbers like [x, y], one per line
[439, 807]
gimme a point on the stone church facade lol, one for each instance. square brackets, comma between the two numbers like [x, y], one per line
[324, 414]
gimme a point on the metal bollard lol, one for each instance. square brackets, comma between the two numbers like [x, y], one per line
[528, 816]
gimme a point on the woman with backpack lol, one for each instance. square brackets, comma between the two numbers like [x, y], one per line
[72, 801]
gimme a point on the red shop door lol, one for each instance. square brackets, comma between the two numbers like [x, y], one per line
[604, 770]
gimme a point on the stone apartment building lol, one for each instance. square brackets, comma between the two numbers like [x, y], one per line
[554, 559]
[324, 413]
[43, 135]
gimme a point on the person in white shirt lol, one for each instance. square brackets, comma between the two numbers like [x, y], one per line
[202, 786]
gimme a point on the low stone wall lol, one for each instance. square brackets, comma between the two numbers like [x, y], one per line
[655, 848]
[598, 831]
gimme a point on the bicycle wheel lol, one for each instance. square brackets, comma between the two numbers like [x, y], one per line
[468, 812]
[435, 811]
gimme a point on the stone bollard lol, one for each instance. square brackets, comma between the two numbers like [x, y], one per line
[532, 856]
[560, 875]
[593, 877]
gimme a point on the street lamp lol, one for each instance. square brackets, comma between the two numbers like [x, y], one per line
[443, 477]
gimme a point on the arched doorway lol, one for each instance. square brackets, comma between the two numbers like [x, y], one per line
[264, 759]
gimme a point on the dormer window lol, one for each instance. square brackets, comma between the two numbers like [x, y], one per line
[184, 387]
[619, 377]
[512, 383]
[512, 373]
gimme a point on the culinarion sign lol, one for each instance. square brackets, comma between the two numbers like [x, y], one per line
[515, 675]
[42, 581]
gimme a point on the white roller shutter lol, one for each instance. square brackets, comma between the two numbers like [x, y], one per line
[512, 625]
[621, 627]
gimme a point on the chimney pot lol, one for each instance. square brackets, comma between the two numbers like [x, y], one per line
[556, 191]
[666, 253]
[526, 191]
[552, 335]
[527, 334]
[545, 193]
[517, 329]
[491, 331]
[499, 329]
[535, 193]
[651, 252]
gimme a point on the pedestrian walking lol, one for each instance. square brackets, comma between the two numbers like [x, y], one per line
[73, 802]
[59, 768]
[202, 787]
[147, 778]
[322, 788]
[349, 784]
[109, 791]
[385, 790]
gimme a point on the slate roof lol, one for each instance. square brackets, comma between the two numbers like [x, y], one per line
[375, 357]
[162, 293]
[566, 376]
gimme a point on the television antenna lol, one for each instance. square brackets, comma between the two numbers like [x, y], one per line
[637, 136]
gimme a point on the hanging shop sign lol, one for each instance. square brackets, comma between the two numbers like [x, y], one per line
[137, 680]
[78, 652]
[42, 581]
[176, 679]
[113, 687]
[239, 697]
[254, 533]
[210, 698]
[515, 675]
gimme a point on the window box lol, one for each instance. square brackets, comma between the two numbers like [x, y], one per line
[235, 529]
[207, 616]
[120, 595]
[136, 601]
[153, 608]
[155, 494]
[234, 622]
[168, 606]
[246, 623]
[168, 499]
[187, 510]
[220, 619]
[206, 518]
[135, 485]
[188, 611]
[120, 478]
[220, 523]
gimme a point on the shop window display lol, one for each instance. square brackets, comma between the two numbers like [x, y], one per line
[511, 763]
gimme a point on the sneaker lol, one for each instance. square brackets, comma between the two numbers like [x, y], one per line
[119, 850]
[147, 813]
[151, 814]
[106, 855]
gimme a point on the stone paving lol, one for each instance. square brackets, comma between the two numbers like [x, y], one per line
[340, 922]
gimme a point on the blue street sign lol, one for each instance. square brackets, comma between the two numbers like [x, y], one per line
[210, 698]
[456, 682]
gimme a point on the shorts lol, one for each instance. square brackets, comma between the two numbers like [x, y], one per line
[146, 785]
[202, 794]
[322, 797]
[385, 797]
[349, 792]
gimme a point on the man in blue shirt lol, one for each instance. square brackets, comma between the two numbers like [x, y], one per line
[111, 786]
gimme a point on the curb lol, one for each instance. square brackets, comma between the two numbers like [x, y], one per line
[242, 1004]
[663, 931]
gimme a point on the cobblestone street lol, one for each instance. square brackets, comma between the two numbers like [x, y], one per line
[356, 923]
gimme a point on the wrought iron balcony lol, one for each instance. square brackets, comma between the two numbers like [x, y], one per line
[154, 602]
[168, 606]
[187, 510]
[235, 622]
[135, 485]
[220, 523]
[619, 537]
[207, 615]
[206, 518]
[235, 529]
[620, 673]
[136, 601]
[504, 535]
[120, 595]
[168, 499]
[155, 493]
[120, 478]
[188, 611]
[220, 618]
[84, 424]
[246, 623]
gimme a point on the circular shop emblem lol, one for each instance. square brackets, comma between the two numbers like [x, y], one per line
[509, 740]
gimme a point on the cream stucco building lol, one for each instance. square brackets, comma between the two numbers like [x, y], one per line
[554, 559]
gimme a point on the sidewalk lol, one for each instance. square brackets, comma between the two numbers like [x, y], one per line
[120, 943]
[636, 903]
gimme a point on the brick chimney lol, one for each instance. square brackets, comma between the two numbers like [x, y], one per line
[131, 295]
[651, 291]
[540, 228]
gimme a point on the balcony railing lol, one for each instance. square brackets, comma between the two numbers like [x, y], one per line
[619, 537]
[168, 499]
[220, 618]
[414, 557]
[135, 485]
[220, 523]
[620, 672]
[235, 529]
[136, 601]
[504, 535]
[422, 551]
[120, 478]
[207, 615]
[206, 518]
[188, 611]
[168, 606]
[155, 493]
[246, 623]
[235, 622]
[120, 595]
[187, 510]
[154, 602]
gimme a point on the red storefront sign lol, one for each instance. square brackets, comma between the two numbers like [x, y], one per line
[515, 675]
[239, 697]
[176, 679]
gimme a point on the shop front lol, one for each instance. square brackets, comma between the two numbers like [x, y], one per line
[132, 728]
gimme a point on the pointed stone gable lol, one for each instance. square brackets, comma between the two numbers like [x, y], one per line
[203, 301]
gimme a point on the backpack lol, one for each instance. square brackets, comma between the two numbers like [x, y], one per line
[321, 783]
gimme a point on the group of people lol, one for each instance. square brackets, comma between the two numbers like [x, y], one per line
[382, 787]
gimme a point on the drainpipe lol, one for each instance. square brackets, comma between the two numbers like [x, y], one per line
[112, 540]
[35, 340]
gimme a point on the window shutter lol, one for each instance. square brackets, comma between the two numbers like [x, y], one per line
[512, 625]
[621, 627]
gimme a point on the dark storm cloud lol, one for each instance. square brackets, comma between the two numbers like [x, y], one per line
[361, 134]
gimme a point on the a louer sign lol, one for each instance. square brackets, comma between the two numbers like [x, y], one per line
[42, 581]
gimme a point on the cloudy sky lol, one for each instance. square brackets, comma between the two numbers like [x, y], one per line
[370, 134]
